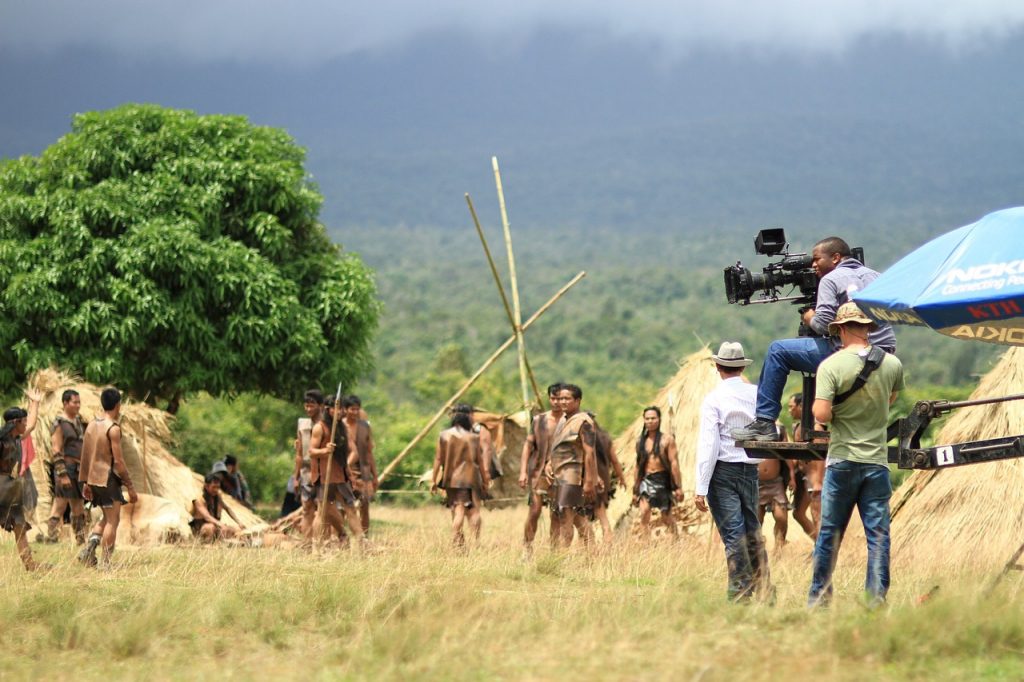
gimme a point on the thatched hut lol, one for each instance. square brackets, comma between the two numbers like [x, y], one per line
[679, 401]
[968, 517]
[166, 486]
[508, 433]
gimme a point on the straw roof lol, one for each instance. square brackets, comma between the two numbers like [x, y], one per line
[146, 442]
[679, 401]
[968, 517]
[508, 433]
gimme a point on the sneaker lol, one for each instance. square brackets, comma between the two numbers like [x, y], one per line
[759, 429]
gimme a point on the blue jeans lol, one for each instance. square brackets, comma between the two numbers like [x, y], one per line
[848, 484]
[803, 354]
[732, 497]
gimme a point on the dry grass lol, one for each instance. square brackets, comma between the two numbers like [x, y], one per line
[413, 609]
[973, 516]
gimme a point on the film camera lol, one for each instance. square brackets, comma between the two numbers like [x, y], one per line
[791, 270]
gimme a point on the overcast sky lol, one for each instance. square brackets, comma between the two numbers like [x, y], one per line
[315, 31]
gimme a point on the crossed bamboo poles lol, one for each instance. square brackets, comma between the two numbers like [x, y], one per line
[513, 312]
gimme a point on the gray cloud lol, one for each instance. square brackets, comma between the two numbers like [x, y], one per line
[318, 30]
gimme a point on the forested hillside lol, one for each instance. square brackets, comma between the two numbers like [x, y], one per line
[648, 300]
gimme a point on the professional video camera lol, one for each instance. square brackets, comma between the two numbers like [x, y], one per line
[794, 269]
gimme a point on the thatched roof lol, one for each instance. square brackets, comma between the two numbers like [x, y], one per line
[679, 400]
[159, 474]
[968, 517]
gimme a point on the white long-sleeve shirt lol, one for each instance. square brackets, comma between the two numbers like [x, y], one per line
[730, 405]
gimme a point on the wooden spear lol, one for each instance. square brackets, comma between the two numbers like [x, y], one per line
[504, 298]
[518, 324]
[472, 380]
[325, 476]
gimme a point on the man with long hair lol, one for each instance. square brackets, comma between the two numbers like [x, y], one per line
[17, 424]
[657, 482]
[460, 470]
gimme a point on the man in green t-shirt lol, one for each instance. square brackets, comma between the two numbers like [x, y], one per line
[857, 471]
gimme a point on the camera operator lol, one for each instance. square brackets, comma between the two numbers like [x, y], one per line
[841, 275]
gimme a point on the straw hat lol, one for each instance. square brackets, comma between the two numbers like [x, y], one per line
[730, 354]
[849, 312]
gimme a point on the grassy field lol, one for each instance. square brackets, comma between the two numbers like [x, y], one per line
[413, 609]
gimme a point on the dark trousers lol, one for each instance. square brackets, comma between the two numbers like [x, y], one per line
[732, 497]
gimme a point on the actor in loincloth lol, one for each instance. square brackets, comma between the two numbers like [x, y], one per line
[771, 486]
[572, 467]
[313, 405]
[813, 474]
[103, 472]
[66, 441]
[658, 483]
[336, 491]
[607, 464]
[461, 471]
[800, 475]
[206, 512]
[534, 459]
[17, 423]
[363, 466]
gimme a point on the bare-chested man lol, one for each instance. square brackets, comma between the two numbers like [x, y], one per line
[207, 510]
[771, 486]
[66, 440]
[313, 405]
[533, 461]
[461, 471]
[607, 463]
[17, 424]
[334, 489]
[572, 467]
[801, 474]
[658, 481]
[103, 471]
[363, 466]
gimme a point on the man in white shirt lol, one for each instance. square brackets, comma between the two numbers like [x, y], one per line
[727, 478]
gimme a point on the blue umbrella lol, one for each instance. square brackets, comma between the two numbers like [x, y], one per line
[968, 283]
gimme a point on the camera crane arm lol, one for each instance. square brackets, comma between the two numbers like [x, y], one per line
[910, 455]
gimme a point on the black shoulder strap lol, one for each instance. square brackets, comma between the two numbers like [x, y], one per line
[872, 362]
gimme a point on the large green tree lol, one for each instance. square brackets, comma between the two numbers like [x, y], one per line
[169, 252]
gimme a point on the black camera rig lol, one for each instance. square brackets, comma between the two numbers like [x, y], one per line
[792, 270]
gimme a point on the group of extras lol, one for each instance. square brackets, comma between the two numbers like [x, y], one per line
[88, 469]
[335, 473]
[567, 459]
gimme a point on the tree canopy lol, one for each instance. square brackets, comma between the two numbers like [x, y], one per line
[169, 252]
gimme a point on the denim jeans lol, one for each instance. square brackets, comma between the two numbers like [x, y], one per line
[732, 497]
[848, 484]
[803, 354]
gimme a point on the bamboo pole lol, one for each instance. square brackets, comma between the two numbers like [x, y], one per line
[472, 380]
[504, 298]
[516, 311]
[145, 469]
[325, 476]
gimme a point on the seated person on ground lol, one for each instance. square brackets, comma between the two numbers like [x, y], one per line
[206, 512]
